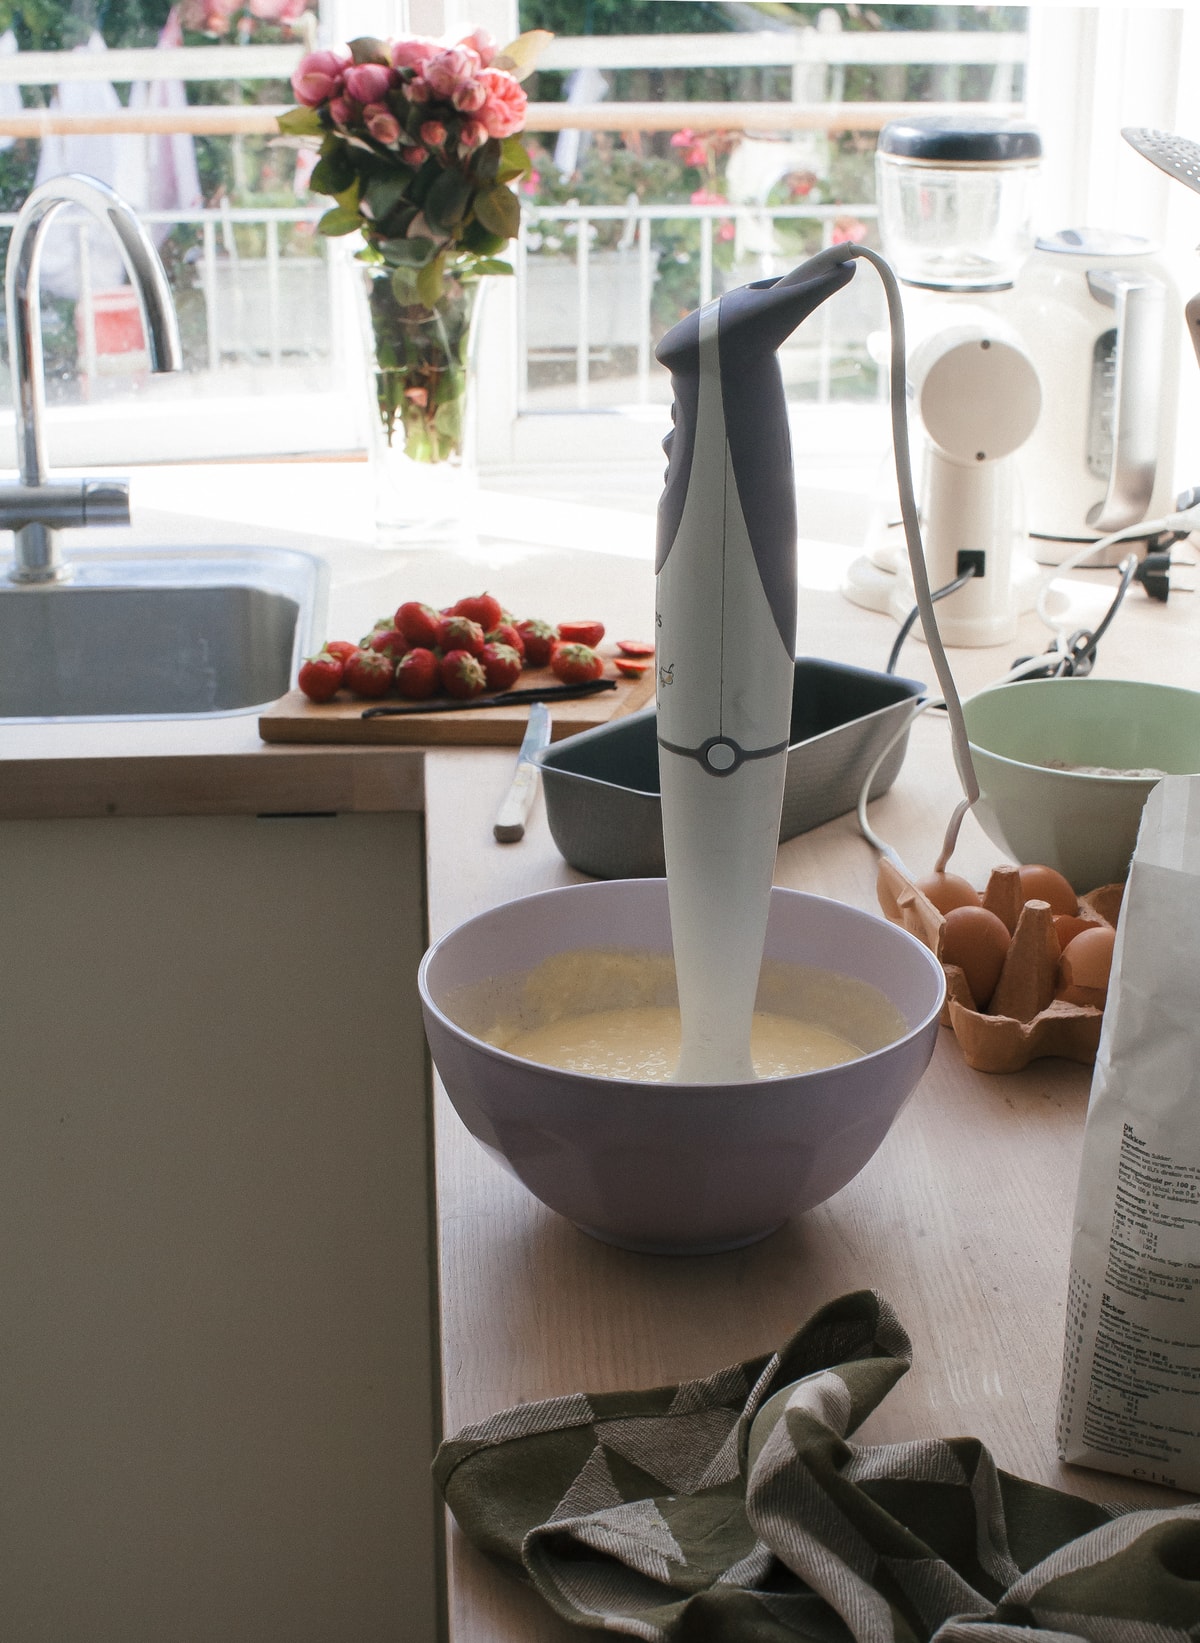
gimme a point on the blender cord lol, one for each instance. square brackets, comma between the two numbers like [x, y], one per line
[1184, 521]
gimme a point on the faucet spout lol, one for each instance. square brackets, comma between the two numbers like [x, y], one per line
[35, 508]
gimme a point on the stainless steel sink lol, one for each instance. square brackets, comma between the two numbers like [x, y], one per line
[159, 633]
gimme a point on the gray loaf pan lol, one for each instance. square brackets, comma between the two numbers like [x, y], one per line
[602, 785]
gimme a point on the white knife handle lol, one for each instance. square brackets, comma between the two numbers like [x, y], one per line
[518, 801]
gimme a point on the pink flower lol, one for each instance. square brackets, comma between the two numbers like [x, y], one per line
[318, 77]
[414, 156]
[684, 138]
[417, 91]
[433, 133]
[368, 82]
[482, 44]
[343, 112]
[532, 183]
[449, 69]
[414, 52]
[381, 123]
[725, 231]
[504, 111]
[472, 135]
[278, 11]
[704, 196]
[469, 98]
[847, 229]
[419, 396]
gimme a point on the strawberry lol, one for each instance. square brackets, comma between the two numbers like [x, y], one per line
[417, 674]
[630, 667]
[459, 633]
[501, 666]
[341, 648]
[504, 633]
[369, 673]
[388, 640]
[635, 647]
[418, 623]
[581, 633]
[321, 676]
[574, 664]
[483, 608]
[539, 638]
[461, 674]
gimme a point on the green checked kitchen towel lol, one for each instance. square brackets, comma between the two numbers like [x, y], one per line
[734, 1510]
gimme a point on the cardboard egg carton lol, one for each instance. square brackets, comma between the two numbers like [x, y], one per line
[1023, 1019]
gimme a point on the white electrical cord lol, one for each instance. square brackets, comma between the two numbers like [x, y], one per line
[1188, 519]
[898, 397]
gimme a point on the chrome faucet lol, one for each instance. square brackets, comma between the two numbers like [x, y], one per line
[35, 507]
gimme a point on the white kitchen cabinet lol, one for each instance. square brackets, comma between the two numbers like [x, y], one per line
[217, 1337]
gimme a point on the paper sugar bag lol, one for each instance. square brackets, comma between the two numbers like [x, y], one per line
[1130, 1399]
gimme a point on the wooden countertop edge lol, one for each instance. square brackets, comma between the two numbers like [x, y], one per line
[266, 781]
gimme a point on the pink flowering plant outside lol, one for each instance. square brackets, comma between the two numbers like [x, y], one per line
[418, 148]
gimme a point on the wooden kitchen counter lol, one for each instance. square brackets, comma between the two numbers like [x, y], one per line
[962, 1219]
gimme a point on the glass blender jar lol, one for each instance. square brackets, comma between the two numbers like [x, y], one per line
[955, 199]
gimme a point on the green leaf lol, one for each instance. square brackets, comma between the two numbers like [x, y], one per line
[367, 49]
[414, 253]
[446, 203]
[520, 56]
[384, 194]
[337, 222]
[492, 265]
[334, 172]
[514, 156]
[348, 198]
[476, 238]
[404, 286]
[431, 283]
[486, 162]
[300, 122]
[499, 210]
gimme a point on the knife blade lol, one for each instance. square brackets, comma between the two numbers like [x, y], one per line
[514, 810]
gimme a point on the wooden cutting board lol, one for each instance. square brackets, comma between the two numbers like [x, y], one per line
[293, 718]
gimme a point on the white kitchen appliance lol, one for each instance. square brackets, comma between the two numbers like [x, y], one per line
[955, 202]
[1100, 317]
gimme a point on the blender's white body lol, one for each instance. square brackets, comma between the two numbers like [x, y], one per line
[725, 650]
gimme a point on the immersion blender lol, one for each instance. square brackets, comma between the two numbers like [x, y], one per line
[726, 630]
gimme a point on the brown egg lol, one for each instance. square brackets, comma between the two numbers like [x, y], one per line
[947, 890]
[977, 941]
[1067, 927]
[1084, 968]
[1044, 884]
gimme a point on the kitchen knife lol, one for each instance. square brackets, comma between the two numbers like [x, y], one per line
[518, 801]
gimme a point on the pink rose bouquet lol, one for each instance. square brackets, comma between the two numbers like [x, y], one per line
[419, 149]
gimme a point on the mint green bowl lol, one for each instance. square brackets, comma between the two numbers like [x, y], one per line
[1079, 821]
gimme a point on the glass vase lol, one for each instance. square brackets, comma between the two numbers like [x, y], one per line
[421, 447]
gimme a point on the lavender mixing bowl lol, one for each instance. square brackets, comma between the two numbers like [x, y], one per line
[674, 1168]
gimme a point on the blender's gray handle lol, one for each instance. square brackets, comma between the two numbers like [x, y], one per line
[1139, 302]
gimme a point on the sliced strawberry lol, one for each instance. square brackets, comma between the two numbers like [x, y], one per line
[635, 647]
[581, 633]
[629, 667]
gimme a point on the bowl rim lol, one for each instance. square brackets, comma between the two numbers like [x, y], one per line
[668, 1087]
[1112, 778]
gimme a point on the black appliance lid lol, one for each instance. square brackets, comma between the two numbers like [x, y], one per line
[961, 139]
